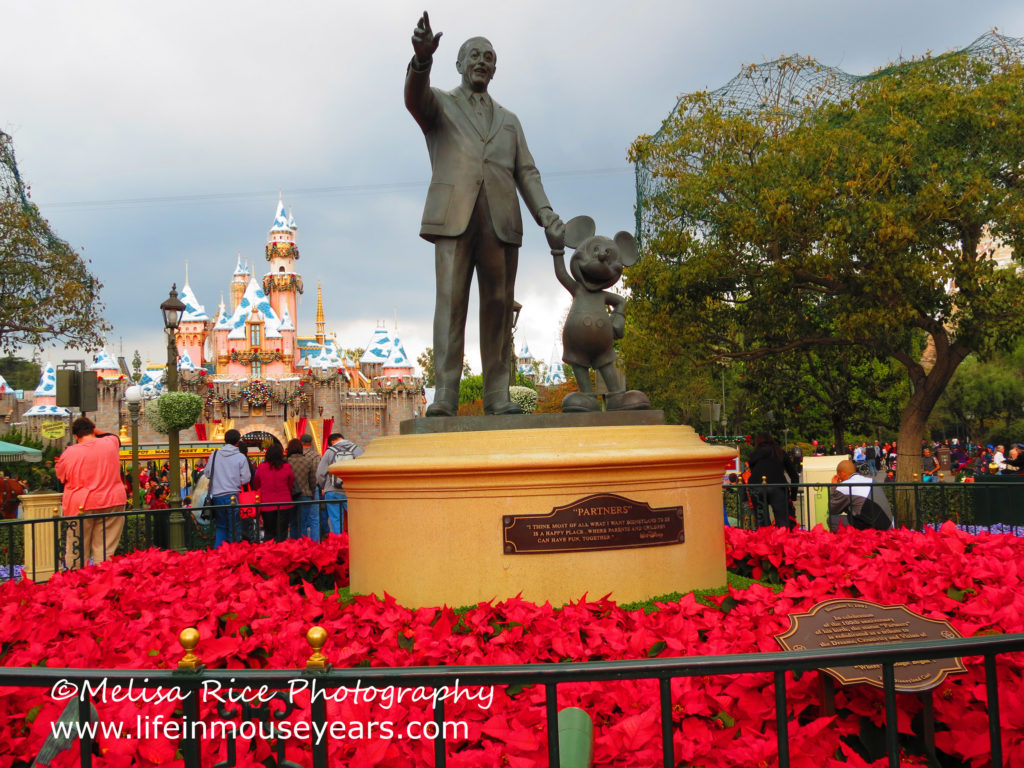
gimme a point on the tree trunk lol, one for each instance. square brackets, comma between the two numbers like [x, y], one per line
[927, 391]
[839, 434]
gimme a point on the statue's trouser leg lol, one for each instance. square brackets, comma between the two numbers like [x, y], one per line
[495, 263]
[453, 266]
[496, 283]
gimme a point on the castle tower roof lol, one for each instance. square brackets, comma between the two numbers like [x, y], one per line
[46, 395]
[5, 388]
[104, 361]
[47, 382]
[320, 334]
[385, 347]
[239, 269]
[194, 311]
[185, 362]
[286, 321]
[283, 219]
[254, 298]
[553, 373]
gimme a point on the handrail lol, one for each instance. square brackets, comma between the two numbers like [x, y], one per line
[550, 676]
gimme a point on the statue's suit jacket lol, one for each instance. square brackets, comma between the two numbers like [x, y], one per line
[463, 159]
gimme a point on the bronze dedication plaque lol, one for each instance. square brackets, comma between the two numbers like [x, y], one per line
[844, 622]
[599, 521]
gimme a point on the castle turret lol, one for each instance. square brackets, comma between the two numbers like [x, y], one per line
[282, 283]
[320, 332]
[194, 327]
[239, 281]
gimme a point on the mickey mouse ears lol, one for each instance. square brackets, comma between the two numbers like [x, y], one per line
[579, 229]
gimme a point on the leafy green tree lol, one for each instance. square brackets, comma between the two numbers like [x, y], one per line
[19, 373]
[853, 222]
[137, 367]
[825, 393]
[426, 362]
[984, 397]
[47, 293]
[471, 388]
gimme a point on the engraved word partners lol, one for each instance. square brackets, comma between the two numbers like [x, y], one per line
[599, 521]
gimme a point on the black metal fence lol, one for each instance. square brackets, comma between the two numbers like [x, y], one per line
[36, 548]
[278, 702]
[995, 504]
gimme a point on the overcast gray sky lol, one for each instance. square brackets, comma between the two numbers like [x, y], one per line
[158, 133]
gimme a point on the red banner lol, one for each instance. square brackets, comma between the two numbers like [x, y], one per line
[328, 426]
[300, 427]
[200, 431]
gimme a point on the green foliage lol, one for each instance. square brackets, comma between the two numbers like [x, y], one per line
[521, 380]
[985, 398]
[19, 373]
[137, 367]
[471, 388]
[823, 394]
[47, 293]
[426, 363]
[525, 397]
[809, 223]
[174, 411]
[38, 476]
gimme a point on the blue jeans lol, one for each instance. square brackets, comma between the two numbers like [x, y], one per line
[309, 518]
[227, 523]
[337, 507]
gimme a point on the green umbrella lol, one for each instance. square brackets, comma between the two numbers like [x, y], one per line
[12, 452]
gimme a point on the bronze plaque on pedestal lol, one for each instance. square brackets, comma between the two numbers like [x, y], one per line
[844, 622]
[596, 522]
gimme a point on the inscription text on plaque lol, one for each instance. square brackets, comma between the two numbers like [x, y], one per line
[599, 521]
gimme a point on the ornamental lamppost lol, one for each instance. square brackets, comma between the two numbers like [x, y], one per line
[133, 396]
[172, 310]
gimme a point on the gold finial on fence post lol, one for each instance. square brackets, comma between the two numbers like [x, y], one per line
[317, 637]
[942, 476]
[189, 639]
[916, 478]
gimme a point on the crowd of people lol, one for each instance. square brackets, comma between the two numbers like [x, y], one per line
[291, 494]
[772, 474]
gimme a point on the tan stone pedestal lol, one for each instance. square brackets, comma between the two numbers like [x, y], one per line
[428, 513]
[40, 539]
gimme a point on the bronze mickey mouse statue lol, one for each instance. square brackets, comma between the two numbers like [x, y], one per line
[588, 337]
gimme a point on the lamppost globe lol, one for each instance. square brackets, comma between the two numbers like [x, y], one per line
[172, 309]
[133, 397]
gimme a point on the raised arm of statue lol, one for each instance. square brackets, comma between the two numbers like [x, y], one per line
[419, 99]
[424, 42]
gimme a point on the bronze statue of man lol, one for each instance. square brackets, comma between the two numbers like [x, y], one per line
[479, 158]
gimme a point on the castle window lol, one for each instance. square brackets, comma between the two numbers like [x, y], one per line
[257, 369]
[280, 269]
[254, 335]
